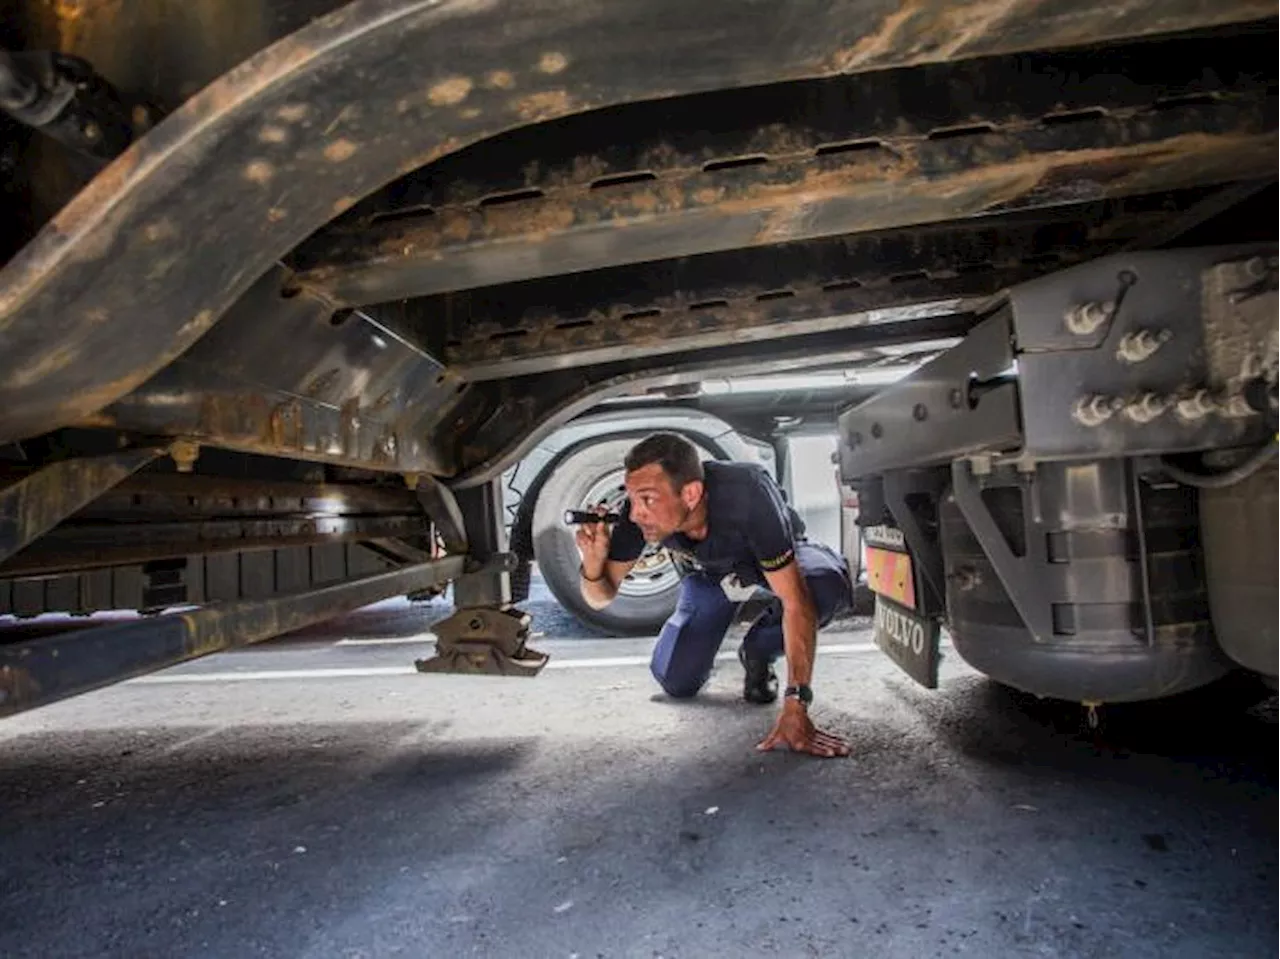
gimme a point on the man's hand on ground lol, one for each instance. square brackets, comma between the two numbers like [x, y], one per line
[796, 731]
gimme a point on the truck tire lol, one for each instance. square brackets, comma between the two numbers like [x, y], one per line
[583, 478]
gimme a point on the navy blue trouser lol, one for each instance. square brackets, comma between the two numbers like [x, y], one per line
[690, 639]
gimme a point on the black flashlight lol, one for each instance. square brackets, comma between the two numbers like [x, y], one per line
[576, 517]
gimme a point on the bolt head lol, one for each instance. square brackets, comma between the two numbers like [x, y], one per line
[1094, 410]
[1086, 319]
[1146, 408]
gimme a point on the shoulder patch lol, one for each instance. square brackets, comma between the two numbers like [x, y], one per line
[775, 563]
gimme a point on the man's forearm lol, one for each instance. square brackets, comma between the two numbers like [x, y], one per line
[596, 586]
[800, 643]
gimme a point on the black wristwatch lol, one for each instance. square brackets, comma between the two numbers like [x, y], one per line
[803, 693]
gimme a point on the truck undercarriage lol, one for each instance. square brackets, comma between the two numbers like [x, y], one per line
[288, 289]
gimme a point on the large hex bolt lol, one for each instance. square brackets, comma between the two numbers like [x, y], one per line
[1094, 410]
[184, 454]
[1195, 406]
[1147, 407]
[1141, 345]
[1085, 319]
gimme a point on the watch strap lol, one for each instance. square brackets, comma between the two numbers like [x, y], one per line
[802, 693]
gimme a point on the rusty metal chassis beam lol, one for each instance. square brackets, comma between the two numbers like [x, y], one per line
[284, 374]
[55, 667]
[858, 154]
[261, 158]
[94, 546]
[287, 375]
[33, 504]
[160, 516]
[761, 293]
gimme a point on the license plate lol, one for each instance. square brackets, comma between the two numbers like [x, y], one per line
[909, 639]
[889, 574]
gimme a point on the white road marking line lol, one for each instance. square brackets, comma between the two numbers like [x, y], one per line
[254, 675]
[389, 641]
[349, 672]
[192, 740]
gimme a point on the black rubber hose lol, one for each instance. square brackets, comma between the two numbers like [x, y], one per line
[1242, 471]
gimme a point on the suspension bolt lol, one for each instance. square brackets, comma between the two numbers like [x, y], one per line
[1195, 407]
[1147, 407]
[1087, 318]
[1094, 410]
[184, 454]
[1141, 345]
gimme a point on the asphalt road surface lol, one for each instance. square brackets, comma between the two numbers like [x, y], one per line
[313, 797]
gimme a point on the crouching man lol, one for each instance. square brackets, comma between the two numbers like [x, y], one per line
[719, 520]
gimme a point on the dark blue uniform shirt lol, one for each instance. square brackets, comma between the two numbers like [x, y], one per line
[750, 528]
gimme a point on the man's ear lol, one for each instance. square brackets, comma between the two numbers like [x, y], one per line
[691, 495]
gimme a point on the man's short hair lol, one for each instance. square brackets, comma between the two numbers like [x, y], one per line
[678, 458]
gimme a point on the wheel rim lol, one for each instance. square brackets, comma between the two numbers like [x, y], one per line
[653, 573]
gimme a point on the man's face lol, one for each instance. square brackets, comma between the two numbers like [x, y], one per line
[657, 507]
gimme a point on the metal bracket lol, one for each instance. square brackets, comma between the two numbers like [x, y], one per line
[1144, 559]
[1136, 385]
[1016, 572]
[54, 667]
[960, 403]
[487, 583]
[441, 505]
[63, 97]
[39, 501]
[487, 642]
[924, 548]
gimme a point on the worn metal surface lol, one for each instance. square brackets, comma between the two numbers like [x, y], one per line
[782, 123]
[485, 642]
[895, 170]
[161, 515]
[55, 667]
[89, 546]
[1137, 401]
[288, 386]
[758, 293]
[205, 578]
[33, 504]
[493, 573]
[1046, 589]
[196, 496]
[1239, 306]
[442, 506]
[297, 134]
[1018, 559]
[286, 374]
[957, 404]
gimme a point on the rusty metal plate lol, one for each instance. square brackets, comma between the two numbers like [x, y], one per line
[261, 158]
